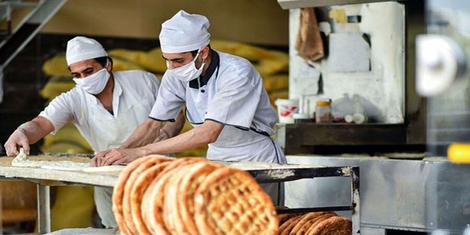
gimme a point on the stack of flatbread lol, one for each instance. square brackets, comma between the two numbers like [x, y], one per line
[161, 195]
[314, 223]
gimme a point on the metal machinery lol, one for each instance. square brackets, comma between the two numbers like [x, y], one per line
[406, 188]
[20, 21]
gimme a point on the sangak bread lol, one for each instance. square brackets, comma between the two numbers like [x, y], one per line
[141, 184]
[229, 201]
[118, 191]
[334, 225]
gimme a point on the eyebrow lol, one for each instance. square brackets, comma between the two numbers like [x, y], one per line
[83, 70]
[174, 59]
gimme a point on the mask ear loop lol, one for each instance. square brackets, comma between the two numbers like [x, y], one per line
[199, 82]
[199, 77]
[107, 63]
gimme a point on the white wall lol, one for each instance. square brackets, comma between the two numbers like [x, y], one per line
[380, 90]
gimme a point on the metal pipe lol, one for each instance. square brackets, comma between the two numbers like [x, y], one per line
[44, 209]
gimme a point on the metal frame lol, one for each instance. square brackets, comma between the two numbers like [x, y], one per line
[276, 174]
[27, 29]
[283, 175]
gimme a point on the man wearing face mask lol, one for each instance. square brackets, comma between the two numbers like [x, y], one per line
[224, 96]
[105, 106]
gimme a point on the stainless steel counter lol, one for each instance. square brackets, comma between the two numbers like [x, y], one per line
[417, 195]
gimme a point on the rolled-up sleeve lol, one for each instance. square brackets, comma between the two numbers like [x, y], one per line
[59, 111]
[169, 100]
[236, 100]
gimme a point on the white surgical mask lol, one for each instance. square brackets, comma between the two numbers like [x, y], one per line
[186, 72]
[95, 83]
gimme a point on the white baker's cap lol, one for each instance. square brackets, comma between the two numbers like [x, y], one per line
[184, 32]
[83, 48]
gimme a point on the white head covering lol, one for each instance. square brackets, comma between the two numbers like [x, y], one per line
[83, 48]
[184, 32]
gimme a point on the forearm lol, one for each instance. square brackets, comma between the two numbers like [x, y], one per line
[171, 129]
[144, 134]
[203, 135]
[35, 129]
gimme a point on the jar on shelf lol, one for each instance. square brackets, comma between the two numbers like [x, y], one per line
[323, 111]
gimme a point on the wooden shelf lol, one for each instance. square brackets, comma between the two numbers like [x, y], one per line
[303, 136]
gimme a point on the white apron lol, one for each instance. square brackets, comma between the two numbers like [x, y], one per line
[235, 144]
[106, 130]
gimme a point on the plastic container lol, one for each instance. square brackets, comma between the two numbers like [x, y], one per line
[357, 118]
[323, 111]
[286, 109]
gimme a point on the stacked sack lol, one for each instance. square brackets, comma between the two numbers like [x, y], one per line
[314, 223]
[272, 65]
[161, 195]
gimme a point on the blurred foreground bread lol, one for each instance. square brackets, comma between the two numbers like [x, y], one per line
[160, 195]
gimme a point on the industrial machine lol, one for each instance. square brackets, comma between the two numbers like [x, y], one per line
[418, 71]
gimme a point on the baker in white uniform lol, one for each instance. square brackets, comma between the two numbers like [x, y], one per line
[105, 106]
[224, 95]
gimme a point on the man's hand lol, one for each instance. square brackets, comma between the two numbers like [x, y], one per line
[18, 138]
[98, 159]
[120, 156]
[28, 133]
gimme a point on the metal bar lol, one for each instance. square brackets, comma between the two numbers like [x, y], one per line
[44, 209]
[23, 21]
[34, 23]
[355, 200]
[282, 175]
[313, 209]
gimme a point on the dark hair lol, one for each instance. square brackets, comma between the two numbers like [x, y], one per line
[194, 53]
[103, 60]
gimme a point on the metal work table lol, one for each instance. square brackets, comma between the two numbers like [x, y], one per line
[263, 173]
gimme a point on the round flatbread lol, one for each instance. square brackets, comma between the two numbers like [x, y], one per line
[306, 221]
[306, 228]
[141, 184]
[118, 192]
[154, 197]
[185, 192]
[335, 225]
[126, 201]
[289, 224]
[170, 205]
[230, 200]
[284, 217]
